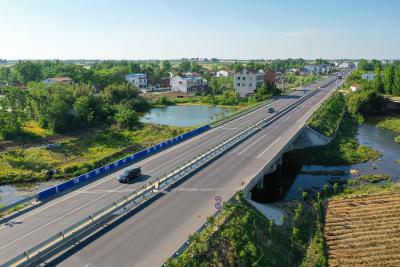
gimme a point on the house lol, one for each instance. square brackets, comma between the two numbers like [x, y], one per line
[321, 68]
[188, 83]
[138, 79]
[58, 80]
[368, 76]
[270, 77]
[346, 65]
[223, 73]
[246, 81]
[354, 87]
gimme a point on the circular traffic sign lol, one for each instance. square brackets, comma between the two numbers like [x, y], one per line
[218, 205]
[218, 199]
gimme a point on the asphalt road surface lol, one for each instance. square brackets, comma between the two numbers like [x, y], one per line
[148, 237]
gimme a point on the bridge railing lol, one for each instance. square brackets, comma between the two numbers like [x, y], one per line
[38, 253]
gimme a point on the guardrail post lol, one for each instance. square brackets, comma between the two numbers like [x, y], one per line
[26, 253]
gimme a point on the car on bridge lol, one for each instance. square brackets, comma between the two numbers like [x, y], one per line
[271, 110]
[129, 175]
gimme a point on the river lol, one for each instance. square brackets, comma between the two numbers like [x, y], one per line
[368, 134]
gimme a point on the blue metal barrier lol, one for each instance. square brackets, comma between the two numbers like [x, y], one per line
[116, 164]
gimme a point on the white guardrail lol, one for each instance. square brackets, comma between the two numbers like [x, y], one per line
[39, 252]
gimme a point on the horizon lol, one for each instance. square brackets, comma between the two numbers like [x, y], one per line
[230, 30]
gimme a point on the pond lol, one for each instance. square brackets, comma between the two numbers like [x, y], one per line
[313, 178]
[185, 115]
[12, 193]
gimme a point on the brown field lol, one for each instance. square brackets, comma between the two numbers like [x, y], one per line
[364, 230]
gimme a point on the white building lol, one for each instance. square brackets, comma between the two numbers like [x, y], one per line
[346, 65]
[354, 87]
[138, 79]
[368, 76]
[59, 80]
[187, 83]
[222, 73]
[245, 82]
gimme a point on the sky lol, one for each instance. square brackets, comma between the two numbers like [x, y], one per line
[173, 29]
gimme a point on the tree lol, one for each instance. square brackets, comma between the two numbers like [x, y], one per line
[28, 71]
[388, 78]
[126, 118]
[365, 65]
[166, 66]
[184, 66]
[12, 111]
[84, 113]
[396, 81]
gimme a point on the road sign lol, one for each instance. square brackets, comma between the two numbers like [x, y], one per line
[218, 199]
[218, 205]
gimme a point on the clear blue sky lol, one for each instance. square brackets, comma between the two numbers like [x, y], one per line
[243, 29]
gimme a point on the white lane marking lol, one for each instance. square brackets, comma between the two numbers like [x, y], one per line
[251, 144]
[142, 162]
[66, 214]
[112, 175]
[268, 147]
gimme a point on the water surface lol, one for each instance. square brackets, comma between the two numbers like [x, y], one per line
[185, 115]
[368, 134]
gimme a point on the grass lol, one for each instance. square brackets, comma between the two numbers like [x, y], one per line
[75, 157]
[392, 124]
[32, 128]
[374, 178]
[247, 238]
[327, 118]
[342, 150]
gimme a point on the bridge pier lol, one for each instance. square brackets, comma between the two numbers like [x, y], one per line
[260, 183]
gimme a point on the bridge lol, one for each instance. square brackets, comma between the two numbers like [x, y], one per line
[150, 225]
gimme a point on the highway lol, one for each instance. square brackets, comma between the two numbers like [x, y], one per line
[150, 236]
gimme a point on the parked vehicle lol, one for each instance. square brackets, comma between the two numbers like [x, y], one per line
[129, 175]
[271, 110]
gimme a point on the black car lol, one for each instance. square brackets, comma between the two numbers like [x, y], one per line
[271, 110]
[129, 175]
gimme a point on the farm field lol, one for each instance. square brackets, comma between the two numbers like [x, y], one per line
[364, 230]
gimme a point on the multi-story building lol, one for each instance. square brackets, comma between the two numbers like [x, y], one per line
[246, 81]
[138, 79]
[188, 83]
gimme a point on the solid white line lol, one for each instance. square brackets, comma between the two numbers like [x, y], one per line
[268, 147]
[251, 145]
[66, 214]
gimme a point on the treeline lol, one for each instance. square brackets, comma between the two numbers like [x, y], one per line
[61, 108]
[368, 99]
[100, 74]
[386, 80]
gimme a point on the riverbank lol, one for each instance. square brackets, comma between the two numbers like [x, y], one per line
[72, 157]
[242, 236]
[393, 124]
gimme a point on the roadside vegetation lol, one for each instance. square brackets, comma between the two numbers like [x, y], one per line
[246, 238]
[74, 157]
[328, 117]
[342, 150]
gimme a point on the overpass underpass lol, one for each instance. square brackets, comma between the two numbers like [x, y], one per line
[149, 236]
